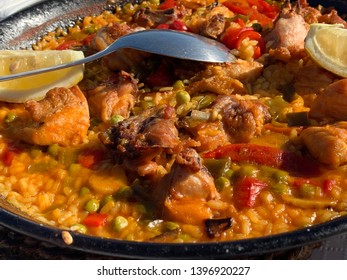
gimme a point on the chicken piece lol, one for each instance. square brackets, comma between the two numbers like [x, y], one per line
[242, 119]
[227, 79]
[328, 144]
[123, 59]
[214, 26]
[332, 103]
[286, 39]
[184, 192]
[212, 23]
[148, 18]
[107, 35]
[62, 117]
[117, 98]
[311, 80]
[332, 18]
[210, 135]
[320, 14]
[139, 135]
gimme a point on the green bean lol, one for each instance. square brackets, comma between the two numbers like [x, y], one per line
[116, 119]
[171, 225]
[205, 101]
[247, 171]
[280, 176]
[217, 167]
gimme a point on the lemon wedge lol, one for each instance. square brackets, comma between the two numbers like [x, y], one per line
[327, 46]
[36, 86]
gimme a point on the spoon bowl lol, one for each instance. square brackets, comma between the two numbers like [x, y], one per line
[182, 45]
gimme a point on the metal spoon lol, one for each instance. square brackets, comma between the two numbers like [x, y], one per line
[165, 42]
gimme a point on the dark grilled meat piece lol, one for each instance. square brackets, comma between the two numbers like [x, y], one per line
[147, 18]
[115, 98]
[139, 135]
[242, 119]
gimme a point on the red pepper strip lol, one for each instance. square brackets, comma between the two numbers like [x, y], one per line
[300, 181]
[86, 41]
[178, 25]
[252, 35]
[91, 157]
[237, 6]
[7, 157]
[163, 26]
[328, 185]
[247, 8]
[162, 77]
[246, 191]
[265, 8]
[264, 155]
[167, 4]
[232, 34]
[175, 25]
[69, 45]
[8, 154]
[95, 220]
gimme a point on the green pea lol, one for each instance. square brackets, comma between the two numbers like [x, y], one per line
[280, 188]
[119, 223]
[182, 97]
[307, 190]
[92, 205]
[222, 183]
[116, 119]
[105, 200]
[10, 117]
[178, 85]
[53, 150]
[141, 208]
[74, 168]
[83, 191]
[35, 152]
[123, 193]
[79, 228]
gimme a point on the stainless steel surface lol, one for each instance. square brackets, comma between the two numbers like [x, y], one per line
[171, 43]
